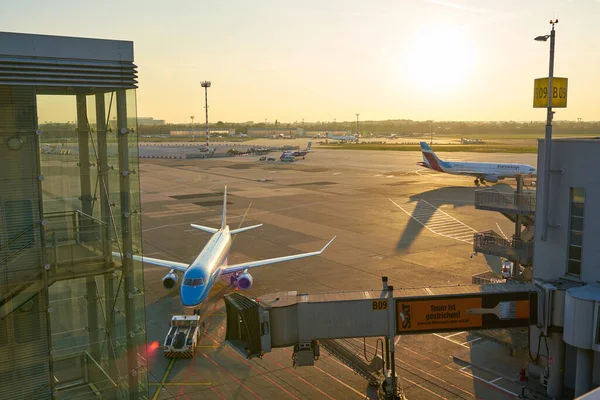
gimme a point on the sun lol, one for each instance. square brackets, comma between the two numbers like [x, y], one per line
[438, 58]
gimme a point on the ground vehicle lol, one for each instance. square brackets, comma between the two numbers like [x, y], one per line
[262, 159]
[182, 339]
[271, 159]
[288, 158]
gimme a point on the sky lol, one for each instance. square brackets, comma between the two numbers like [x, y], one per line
[471, 60]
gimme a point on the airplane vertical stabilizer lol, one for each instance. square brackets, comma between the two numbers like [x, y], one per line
[431, 159]
[224, 217]
[308, 147]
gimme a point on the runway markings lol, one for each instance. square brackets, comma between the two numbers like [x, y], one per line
[164, 378]
[501, 231]
[437, 221]
[450, 340]
[485, 381]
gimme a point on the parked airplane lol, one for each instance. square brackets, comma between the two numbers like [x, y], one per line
[343, 138]
[490, 172]
[211, 263]
[298, 153]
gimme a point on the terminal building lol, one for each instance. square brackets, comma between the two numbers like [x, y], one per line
[564, 265]
[72, 318]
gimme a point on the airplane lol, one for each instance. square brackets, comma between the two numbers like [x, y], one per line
[298, 153]
[211, 263]
[343, 138]
[483, 172]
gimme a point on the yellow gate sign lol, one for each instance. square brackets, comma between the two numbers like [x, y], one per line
[559, 92]
[379, 305]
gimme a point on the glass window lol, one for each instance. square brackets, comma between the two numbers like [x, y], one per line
[576, 230]
[188, 282]
[574, 267]
[198, 282]
[576, 238]
[575, 253]
[577, 210]
[577, 224]
[578, 195]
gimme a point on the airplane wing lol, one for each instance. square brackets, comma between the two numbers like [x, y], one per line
[177, 266]
[247, 265]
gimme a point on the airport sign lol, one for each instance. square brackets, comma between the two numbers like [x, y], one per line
[379, 305]
[463, 312]
[541, 92]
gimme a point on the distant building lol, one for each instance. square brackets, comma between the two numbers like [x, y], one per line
[150, 121]
[202, 132]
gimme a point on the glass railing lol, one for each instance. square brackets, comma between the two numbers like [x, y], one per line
[73, 237]
[490, 242]
[490, 199]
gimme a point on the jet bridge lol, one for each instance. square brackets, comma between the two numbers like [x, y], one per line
[284, 319]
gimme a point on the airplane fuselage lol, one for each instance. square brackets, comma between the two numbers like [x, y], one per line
[206, 266]
[474, 168]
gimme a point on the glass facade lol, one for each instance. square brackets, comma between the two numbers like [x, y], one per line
[575, 231]
[72, 316]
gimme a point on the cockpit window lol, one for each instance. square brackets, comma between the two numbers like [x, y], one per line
[193, 282]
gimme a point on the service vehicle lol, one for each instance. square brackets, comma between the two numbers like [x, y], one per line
[182, 339]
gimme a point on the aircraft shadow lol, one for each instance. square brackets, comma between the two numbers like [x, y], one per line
[425, 206]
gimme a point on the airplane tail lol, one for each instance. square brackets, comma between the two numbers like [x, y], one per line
[431, 159]
[308, 147]
[224, 217]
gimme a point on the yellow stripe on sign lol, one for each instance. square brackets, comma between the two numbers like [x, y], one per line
[164, 378]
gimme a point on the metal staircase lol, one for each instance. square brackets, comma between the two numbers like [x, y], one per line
[371, 372]
[518, 207]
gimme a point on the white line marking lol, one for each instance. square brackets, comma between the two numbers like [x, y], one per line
[490, 383]
[450, 340]
[454, 334]
[501, 231]
[495, 380]
[465, 367]
[444, 224]
[471, 341]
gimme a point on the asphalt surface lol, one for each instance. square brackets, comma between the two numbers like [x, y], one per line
[383, 209]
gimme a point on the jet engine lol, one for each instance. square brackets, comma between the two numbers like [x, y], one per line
[245, 280]
[491, 178]
[170, 280]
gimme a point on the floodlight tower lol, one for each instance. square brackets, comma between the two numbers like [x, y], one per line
[357, 124]
[206, 85]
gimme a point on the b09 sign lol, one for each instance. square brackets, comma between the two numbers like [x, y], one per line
[558, 92]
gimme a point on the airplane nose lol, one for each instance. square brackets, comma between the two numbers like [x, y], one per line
[190, 296]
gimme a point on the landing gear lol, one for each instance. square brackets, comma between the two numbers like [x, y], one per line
[233, 279]
[476, 181]
[197, 311]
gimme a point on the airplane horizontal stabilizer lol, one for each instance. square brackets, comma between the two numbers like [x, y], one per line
[204, 228]
[233, 232]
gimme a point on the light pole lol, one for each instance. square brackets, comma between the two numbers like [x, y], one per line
[357, 134]
[548, 136]
[206, 85]
[192, 118]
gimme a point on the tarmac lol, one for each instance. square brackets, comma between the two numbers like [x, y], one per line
[384, 210]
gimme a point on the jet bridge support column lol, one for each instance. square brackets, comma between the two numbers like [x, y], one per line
[390, 338]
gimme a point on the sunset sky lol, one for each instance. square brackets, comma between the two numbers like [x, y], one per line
[325, 60]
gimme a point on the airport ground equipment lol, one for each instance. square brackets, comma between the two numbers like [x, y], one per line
[302, 320]
[182, 338]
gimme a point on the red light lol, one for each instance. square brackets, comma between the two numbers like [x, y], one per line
[153, 346]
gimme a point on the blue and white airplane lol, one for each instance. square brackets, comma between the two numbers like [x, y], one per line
[490, 172]
[211, 263]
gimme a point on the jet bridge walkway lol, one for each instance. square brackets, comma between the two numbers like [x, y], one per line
[303, 320]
